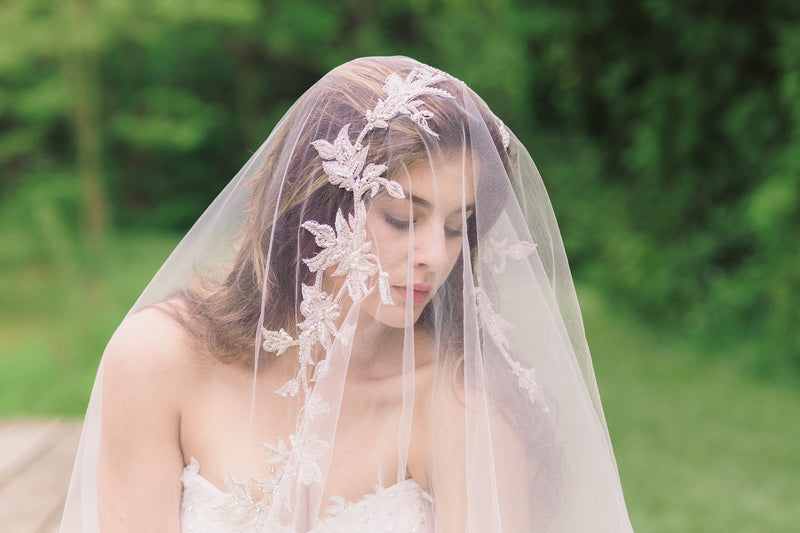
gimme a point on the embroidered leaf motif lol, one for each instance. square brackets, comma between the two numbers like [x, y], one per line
[323, 234]
[281, 452]
[290, 388]
[344, 173]
[326, 239]
[277, 341]
[237, 501]
[385, 289]
[394, 189]
[496, 326]
[343, 161]
[527, 380]
[495, 252]
[346, 334]
[505, 138]
[305, 454]
[521, 250]
[402, 99]
[341, 148]
[321, 370]
[371, 180]
[320, 312]
[315, 406]
[349, 252]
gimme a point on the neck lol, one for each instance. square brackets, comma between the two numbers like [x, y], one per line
[377, 350]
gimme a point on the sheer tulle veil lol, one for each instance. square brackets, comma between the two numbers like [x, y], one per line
[388, 271]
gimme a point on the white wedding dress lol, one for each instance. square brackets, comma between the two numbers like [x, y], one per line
[404, 507]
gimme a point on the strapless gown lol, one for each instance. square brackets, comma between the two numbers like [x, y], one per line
[404, 507]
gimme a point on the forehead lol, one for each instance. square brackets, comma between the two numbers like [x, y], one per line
[447, 182]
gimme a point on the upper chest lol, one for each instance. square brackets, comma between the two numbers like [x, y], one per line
[232, 423]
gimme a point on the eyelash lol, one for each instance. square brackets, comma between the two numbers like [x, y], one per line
[396, 223]
[404, 225]
[452, 233]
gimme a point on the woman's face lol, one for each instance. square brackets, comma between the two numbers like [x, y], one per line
[419, 238]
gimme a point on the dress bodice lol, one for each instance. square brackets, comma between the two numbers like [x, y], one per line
[404, 507]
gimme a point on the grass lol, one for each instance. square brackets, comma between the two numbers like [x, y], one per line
[57, 316]
[701, 446]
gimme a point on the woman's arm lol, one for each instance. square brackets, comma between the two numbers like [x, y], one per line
[140, 463]
[476, 466]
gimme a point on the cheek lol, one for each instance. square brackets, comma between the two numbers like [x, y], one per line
[388, 244]
[453, 251]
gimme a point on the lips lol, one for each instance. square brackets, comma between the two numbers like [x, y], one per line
[419, 292]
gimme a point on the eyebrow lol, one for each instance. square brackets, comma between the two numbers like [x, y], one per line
[427, 205]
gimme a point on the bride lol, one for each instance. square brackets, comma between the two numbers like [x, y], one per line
[372, 328]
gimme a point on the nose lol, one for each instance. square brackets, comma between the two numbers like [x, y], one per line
[430, 245]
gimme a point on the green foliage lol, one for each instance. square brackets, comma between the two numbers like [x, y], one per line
[693, 110]
[60, 308]
[698, 447]
[668, 132]
[39, 222]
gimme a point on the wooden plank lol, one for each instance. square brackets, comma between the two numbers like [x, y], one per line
[21, 442]
[53, 521]
[32, 498]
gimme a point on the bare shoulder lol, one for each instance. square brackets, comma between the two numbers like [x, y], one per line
[147, 341]
[147, 369]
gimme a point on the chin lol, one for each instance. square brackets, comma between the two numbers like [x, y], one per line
[395, 316]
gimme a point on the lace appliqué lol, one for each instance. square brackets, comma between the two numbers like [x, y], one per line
[346, 251]
[206, 509]
[401, 507]
[495, 255]
[401, 98]
[505, 137]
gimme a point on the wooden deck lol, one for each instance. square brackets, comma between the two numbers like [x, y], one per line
[36, 459]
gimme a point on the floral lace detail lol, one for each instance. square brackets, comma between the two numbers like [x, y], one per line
[403, 507]
[206, 509]
[401, 98]
[495, 255]
[346, 251]
[505, 137]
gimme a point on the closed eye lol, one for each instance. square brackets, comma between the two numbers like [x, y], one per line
[396, 223]
[457, 231]
[402, 224]
[452, 233]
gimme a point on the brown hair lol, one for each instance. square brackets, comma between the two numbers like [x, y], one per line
[222, 315]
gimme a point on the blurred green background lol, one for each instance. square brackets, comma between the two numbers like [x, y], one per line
[667, 132]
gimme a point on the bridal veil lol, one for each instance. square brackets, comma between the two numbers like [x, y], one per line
[391, 254]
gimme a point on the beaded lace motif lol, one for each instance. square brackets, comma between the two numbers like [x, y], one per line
[403, 507]
[346, 251]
